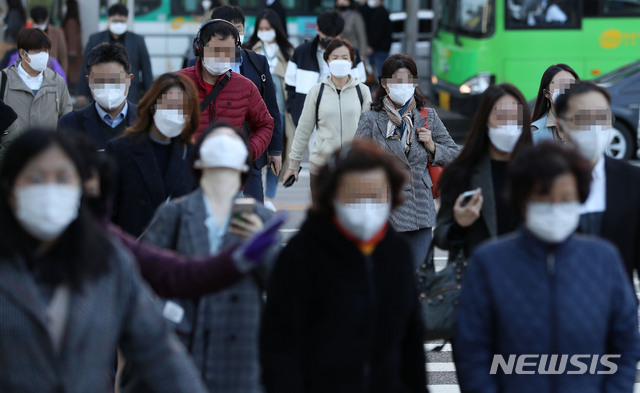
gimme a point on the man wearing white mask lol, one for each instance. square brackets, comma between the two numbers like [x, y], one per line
[37, 94]
[117, 32]
[611, 211]
[109, 77]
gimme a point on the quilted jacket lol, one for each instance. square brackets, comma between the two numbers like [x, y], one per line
[522, 296]
[238, 101]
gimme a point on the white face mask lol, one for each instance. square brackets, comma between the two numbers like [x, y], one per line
[46, 210]
[42, 27]
[505, 137]
[364, 219]
[110, 95]
[267, 36]
[591, 143]
[206, 5]
[553, 222]
[372, 3]
[118, 28]
[401, 93]
[223, 151]
[340, 68]
[170, 122]
[555, 95]
[217, 66]
[38, 61]
[241, 38]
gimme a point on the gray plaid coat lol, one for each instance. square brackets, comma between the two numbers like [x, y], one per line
[221, 330]
[113, 310]
[418, 210]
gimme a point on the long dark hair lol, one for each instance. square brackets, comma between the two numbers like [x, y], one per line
[281, 37]
[391, 65]
[456, 176]
[542, 103]
[73, 12]
[82, 252]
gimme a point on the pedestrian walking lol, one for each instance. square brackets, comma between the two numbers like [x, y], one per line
[354, 29]
[397, 122]
[342, 311]
[73, 35]
[500, 126]
[153, 154]
[555, 80]
[58, 51]
[69, 294]
[333, 107]
[379, 31]
[545, 294]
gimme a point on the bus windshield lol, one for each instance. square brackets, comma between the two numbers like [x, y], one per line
[467, 17]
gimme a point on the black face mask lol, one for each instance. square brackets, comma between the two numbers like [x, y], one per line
[342, 8]
[324, 42]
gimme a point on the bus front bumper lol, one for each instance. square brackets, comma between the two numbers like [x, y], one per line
[448, 97]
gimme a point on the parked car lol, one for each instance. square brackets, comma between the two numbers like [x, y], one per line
[624, 86]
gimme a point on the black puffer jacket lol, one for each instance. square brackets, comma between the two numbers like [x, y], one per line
[337, 321]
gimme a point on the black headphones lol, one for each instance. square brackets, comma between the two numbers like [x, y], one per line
[198, 45]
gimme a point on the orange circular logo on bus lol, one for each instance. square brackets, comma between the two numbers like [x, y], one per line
[177, 22]
[610, 39]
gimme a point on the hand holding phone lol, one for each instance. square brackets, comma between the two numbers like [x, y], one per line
[467, 207]
[291, 177]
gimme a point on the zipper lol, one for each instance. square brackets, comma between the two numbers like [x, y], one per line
[551, 273]
[340, 106]
[366, 369]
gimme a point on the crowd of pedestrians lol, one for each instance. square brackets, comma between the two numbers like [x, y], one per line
[140, 249]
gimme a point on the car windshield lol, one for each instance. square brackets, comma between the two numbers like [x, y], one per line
[468, 17]
[617, 75]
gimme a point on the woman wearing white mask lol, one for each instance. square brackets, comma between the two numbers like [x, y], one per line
[270, 39]
[221, 329]
[555, 80]
[342, 313]
[153, 154]
[333, 107]
[401, 123]
[36, 93]
[499, 127]
[68, 293]
[559, 299]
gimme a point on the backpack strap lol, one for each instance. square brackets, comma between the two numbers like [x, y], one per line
[253, 59]
[3, 86]
[318, 101]
[359, 95]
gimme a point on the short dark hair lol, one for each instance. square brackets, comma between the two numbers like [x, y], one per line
[330, 23]
[220, 29]
[337, 43]
[535, 168]
[30, 38]
[542, 105]
[195, 155]
[231, 13]
[108, 52]
[580, 87]
[358, 156]
[118, 9]
[391, 65]
[39, 14]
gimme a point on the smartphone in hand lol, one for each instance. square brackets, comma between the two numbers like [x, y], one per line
[289, 182]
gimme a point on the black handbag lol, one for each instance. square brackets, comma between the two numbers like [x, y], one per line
[439, 293]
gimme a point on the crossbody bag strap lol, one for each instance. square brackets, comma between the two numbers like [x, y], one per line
[253, 59]
[216, 89]
[318, 101]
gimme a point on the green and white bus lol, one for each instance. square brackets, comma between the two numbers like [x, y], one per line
[481, 42]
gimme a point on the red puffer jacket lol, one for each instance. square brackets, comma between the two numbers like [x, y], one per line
[238, 101]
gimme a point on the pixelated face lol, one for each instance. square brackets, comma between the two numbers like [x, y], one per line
[402, 76]
[104, 74]
[345, 3]
[222, 49]
[589, 111]
[340, 53]
[174, 99]
[560, 82]
[506, 111]
[370, 186]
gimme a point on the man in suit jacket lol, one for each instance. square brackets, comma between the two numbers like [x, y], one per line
[109, 80]
[137, 49]
[612, 210]
[255, 67]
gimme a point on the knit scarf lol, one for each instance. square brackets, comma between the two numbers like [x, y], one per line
[400, 121]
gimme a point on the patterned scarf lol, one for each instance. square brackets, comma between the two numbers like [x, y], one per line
[400, 121]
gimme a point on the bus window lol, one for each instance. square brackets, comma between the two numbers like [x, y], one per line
[622, 7]
[542, 14]
[186, 7]
[143, 7]
[468, 17]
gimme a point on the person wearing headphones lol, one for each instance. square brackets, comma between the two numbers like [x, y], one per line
[224, 94]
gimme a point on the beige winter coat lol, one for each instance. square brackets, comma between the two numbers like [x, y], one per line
[51, 101]
[338, 117]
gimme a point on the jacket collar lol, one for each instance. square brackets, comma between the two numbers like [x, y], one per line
[539, 249]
